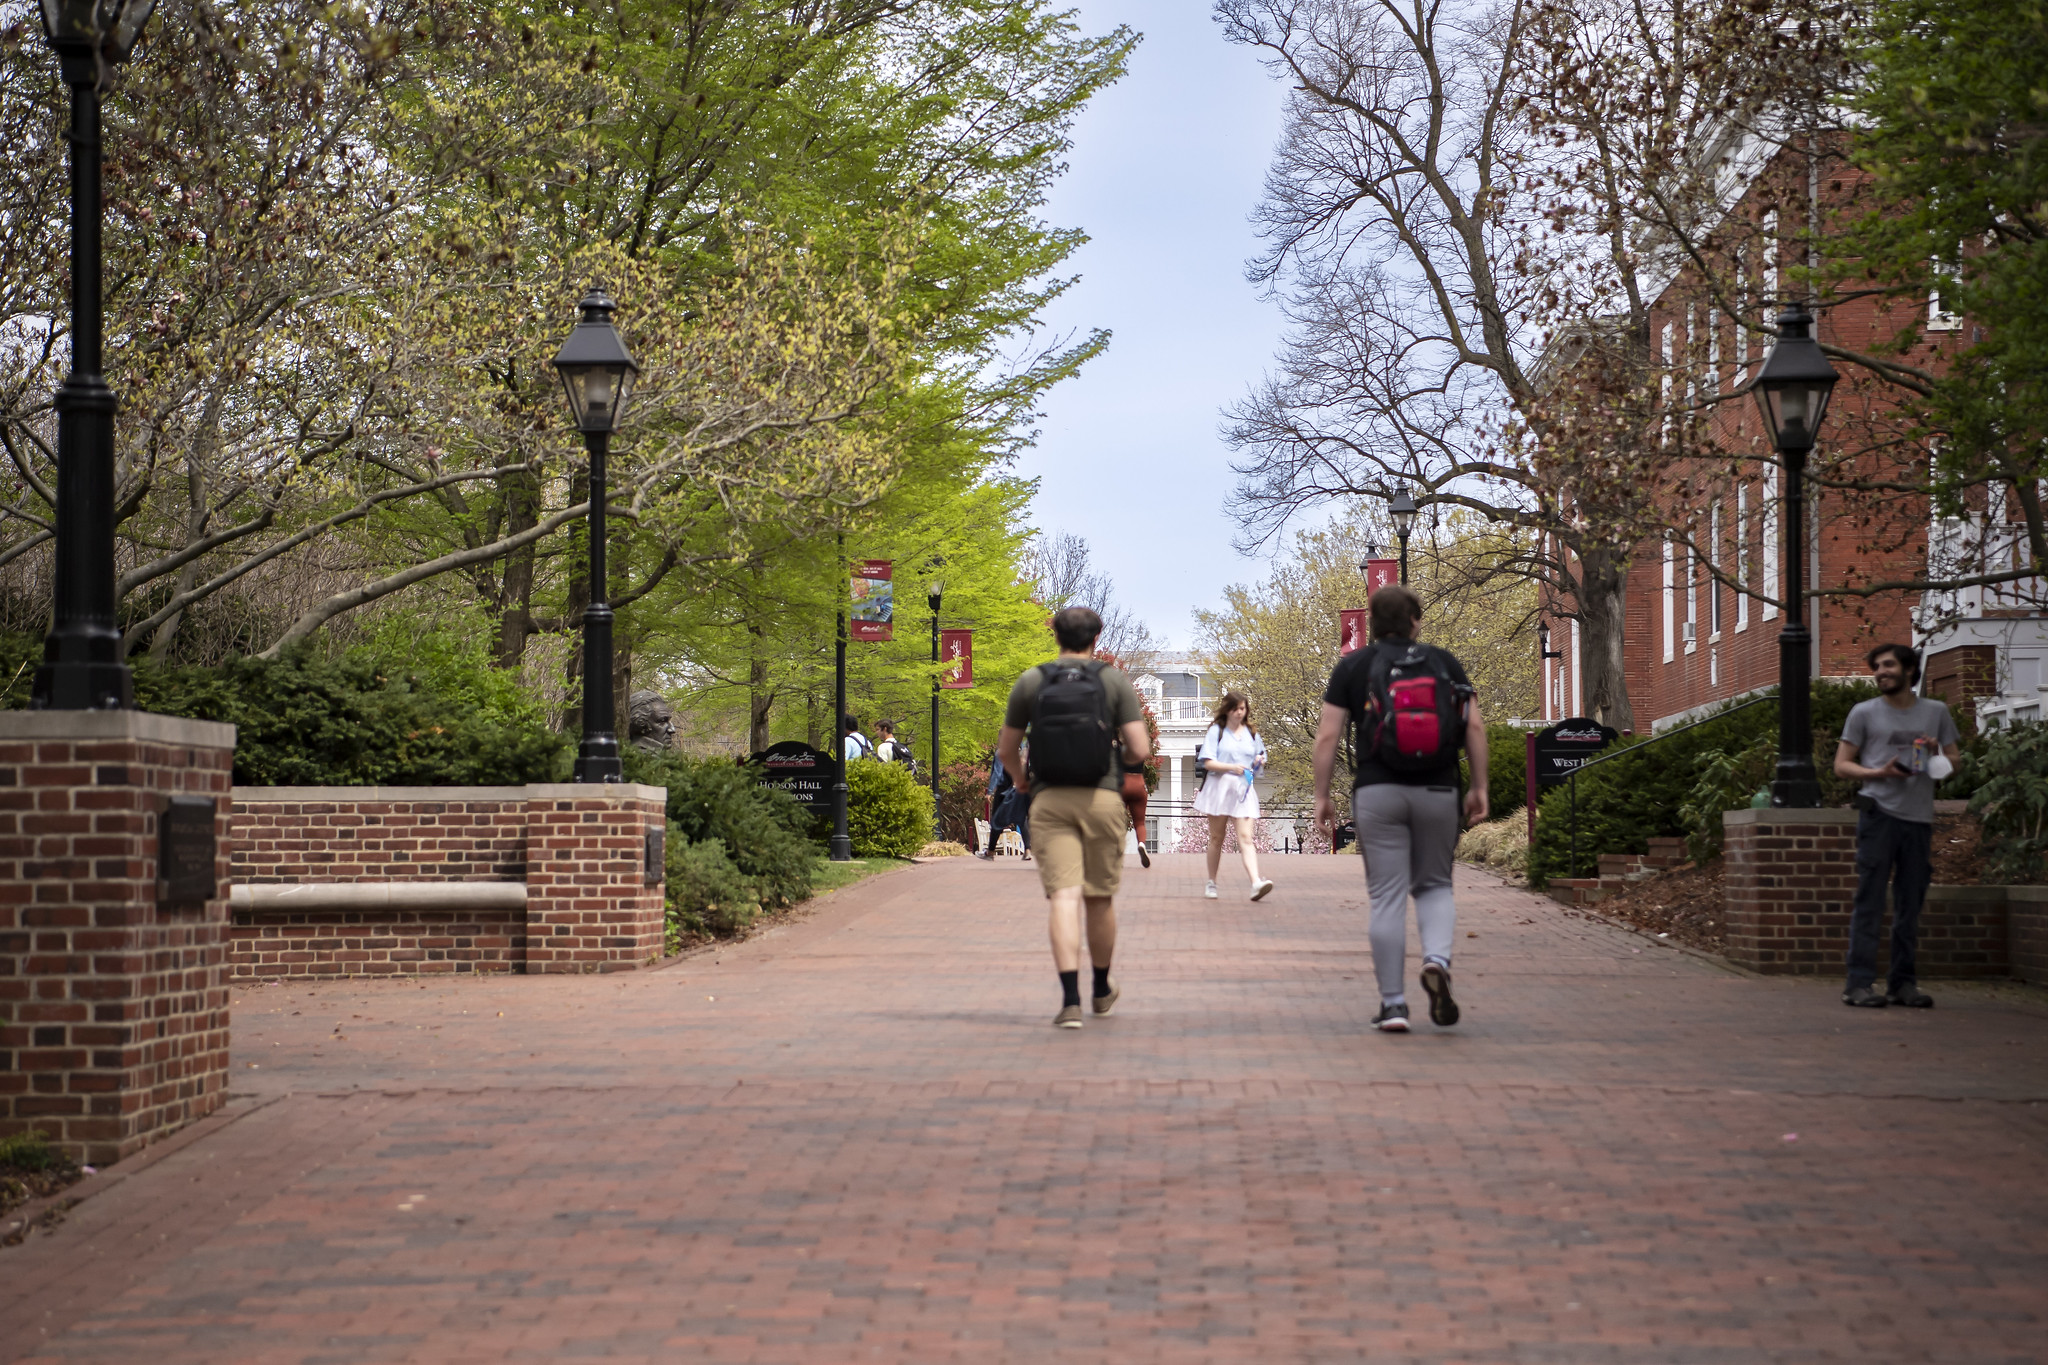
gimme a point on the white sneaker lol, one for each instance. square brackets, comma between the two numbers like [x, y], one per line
[1259, 889]
[1209, 891]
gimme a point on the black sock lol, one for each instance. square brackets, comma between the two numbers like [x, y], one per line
[1070, 988]
[1101, 982]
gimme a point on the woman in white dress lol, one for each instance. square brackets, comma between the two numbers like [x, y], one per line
[1234, 756]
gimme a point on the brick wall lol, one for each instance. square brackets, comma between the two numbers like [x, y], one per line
[578, 851]
[2026, 930]
[1963, 933]
[1791, 875]
[113, 1009]
[1961, 675]
[349, 834]
[589, 907]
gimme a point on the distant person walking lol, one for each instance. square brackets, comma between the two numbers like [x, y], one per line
[1413, 708]
[1232, 755]
[1075, 710]
[853, 744]
[1008, 808]
[891, 749]
[1898, 745]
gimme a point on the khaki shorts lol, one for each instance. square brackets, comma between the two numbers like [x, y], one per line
[1077, 836]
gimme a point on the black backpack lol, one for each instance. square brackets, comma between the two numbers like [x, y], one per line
[1415, 716]
[1072, 741]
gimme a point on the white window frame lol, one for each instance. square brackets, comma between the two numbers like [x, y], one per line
[1741, 316]
[1670, 603]
[1713, 567]
[1692, 597]
[1770, 543]
[1742, 557]
[1714, 349]
[1664, 384]
[1939, 319]
[1773, 249]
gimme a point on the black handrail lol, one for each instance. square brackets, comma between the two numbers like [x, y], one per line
[1573, 781]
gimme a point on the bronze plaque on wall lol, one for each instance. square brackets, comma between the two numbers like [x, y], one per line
[657, 856]
[185, 852]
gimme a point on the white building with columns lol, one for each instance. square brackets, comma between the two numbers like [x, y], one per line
[1183, 696]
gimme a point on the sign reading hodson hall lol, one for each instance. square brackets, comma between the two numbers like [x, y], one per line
[795, 767]
[1563, 748]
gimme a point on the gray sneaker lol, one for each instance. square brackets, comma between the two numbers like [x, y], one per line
[1070, 1017]
[1104, 1004]
[1863, 998]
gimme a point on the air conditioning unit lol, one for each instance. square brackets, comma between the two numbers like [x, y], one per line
[1689, 632]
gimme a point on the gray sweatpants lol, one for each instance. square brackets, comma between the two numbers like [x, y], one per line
[1409, 837]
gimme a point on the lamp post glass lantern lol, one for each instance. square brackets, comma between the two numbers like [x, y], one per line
[1401, 507]
[1792, 390]
[597, 376]
[934, 593]
[83, 663]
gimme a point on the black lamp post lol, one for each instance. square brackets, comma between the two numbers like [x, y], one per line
[1792, 392]
[1372, 552]
[840, 850]
[934, 591]
[83, 667]
[597, 374]
[1401, 507]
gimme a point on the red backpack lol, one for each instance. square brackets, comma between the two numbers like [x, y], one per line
[1415, 716]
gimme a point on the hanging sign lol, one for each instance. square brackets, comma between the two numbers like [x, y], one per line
[1381, 573]
[1560, 749]
[956, 652]
[1355, 631]
[874, 601]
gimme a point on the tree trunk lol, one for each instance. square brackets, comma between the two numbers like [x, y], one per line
[812, 735]
[759, 696]
[759, 699]
[515, 594]
[1603, 615]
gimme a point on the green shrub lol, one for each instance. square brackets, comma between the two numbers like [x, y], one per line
[1727, 779]
[707, 892]
[888, 813]
[1507, 767]
[364, 719]
[766, 834]
[2012, 802]
[1626, 802]
[29, 1151]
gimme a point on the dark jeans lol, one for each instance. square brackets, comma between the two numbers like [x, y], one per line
[1899, 854]
[1012, 811]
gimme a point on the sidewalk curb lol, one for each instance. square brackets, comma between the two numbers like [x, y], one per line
[28, 1215]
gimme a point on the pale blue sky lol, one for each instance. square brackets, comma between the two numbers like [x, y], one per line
[1166, 166]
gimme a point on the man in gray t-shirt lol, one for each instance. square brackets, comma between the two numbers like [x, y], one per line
[1898, 745]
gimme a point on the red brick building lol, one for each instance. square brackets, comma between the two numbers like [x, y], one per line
[1702, 627]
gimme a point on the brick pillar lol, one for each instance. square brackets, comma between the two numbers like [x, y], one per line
[113, 1007]
[589, 904]
[1791, 875]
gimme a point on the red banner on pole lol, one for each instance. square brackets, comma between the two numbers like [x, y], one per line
[1381, 573]
[1355, 630]
[874, 601]
[956, 652]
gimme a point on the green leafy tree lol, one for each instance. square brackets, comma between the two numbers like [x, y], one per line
[1949, 107]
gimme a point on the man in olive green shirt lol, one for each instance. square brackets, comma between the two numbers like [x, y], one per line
[1077, 709]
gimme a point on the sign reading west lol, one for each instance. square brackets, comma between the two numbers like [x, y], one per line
[1562, 749]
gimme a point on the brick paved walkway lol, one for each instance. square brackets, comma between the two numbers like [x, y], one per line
[856, 1139]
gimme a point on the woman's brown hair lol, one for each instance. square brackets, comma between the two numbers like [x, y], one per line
[1231, 701]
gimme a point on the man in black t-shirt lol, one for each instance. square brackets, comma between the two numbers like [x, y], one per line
[1407, 821]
